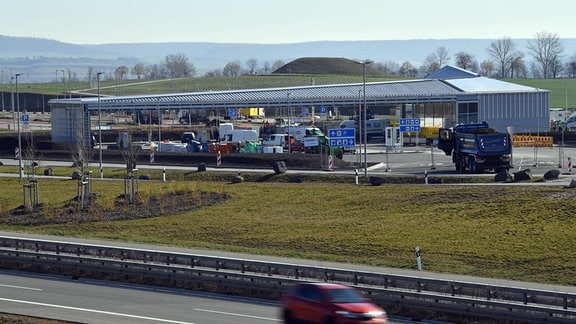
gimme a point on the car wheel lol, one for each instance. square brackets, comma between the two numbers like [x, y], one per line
[288, 318]
[329, 320]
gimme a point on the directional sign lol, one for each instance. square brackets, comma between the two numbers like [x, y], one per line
[410, 125]
[342, 137]
[232, 113]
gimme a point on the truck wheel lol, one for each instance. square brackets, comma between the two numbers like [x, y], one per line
[458, 166]
[472, 168]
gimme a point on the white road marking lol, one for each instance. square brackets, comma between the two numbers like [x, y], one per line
[93, 311]
[236, 314]
[21, 287]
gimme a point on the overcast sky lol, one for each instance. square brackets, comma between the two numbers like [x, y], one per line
[290, 21]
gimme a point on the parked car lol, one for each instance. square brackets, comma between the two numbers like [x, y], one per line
[329, 303]
[188, 137]
[297, 146]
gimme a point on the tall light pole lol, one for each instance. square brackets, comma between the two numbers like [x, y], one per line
[288, 108]
[360, 125]
[21, 169]
[64, 82]
[365, 133]
[2, 87]
[99, 127]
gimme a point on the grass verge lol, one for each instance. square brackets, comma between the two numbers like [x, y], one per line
[511, 232]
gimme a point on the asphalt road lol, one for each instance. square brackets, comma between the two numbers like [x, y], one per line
[89, 301]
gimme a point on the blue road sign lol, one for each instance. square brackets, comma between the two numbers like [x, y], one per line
[409, 125]
[323, 109]
[342, 137]
[25, 118]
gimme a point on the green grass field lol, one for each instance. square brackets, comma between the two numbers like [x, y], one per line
[520, 233]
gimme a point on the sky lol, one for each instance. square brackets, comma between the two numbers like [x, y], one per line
[275, 22]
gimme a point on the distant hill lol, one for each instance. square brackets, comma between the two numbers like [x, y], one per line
[38, 59]
[322, 65]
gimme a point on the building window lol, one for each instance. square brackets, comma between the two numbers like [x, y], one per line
[467, 112]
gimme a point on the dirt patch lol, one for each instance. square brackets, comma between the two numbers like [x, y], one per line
[90, 210]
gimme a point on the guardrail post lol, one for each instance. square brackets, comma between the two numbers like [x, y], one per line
[296, 273]
[355, 279]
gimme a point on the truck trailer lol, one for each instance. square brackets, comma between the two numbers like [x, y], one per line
[476, 148]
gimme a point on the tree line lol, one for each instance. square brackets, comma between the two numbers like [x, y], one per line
[543, 58]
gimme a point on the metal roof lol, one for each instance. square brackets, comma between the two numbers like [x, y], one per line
[451, 72]
[342, 94]
[482, 84]
[430, 90]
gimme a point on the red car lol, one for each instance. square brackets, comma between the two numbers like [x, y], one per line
[327, 303]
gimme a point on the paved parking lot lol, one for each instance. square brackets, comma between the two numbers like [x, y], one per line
[417, 159]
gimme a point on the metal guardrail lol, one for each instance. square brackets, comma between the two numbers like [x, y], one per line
[272, 278]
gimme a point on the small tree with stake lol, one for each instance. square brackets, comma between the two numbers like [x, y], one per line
[82, 154]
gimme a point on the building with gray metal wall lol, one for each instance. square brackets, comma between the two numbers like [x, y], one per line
[447, 97]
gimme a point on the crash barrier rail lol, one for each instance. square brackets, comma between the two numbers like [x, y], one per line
[169, 268]
[532, 141]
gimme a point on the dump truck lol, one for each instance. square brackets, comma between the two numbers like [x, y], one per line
[476, 148]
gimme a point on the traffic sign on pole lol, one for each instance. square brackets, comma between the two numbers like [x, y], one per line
[409, 125]
[342, 137]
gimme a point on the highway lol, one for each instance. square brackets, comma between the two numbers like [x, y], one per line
[89, 301]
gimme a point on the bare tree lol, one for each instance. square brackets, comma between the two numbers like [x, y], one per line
[435, 61]
[487, 68]
[389, 67]
[213, 73]
[232, 69]
[251, 65]
[31, 157]
[571, 66]
[501, 51]
[276, 65]
[89, 75]
[157, 71]
[139, 70]
[82, 153]
[266, 67]
[517, 64]
[464, 60]
[178, 66]
[407, 69]
[546, 49]
[556, 68]
[121, 72]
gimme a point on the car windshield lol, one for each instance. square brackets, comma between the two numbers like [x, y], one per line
[345, 295]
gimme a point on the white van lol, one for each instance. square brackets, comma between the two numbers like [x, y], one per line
[241, 135]
[571, 123]
[374, 127]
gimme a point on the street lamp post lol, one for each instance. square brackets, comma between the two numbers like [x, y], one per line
[360, 125]
[99, 127]
[288, 109]
[64, 82]
[365, 133]
[2, 87]
[21, 169]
